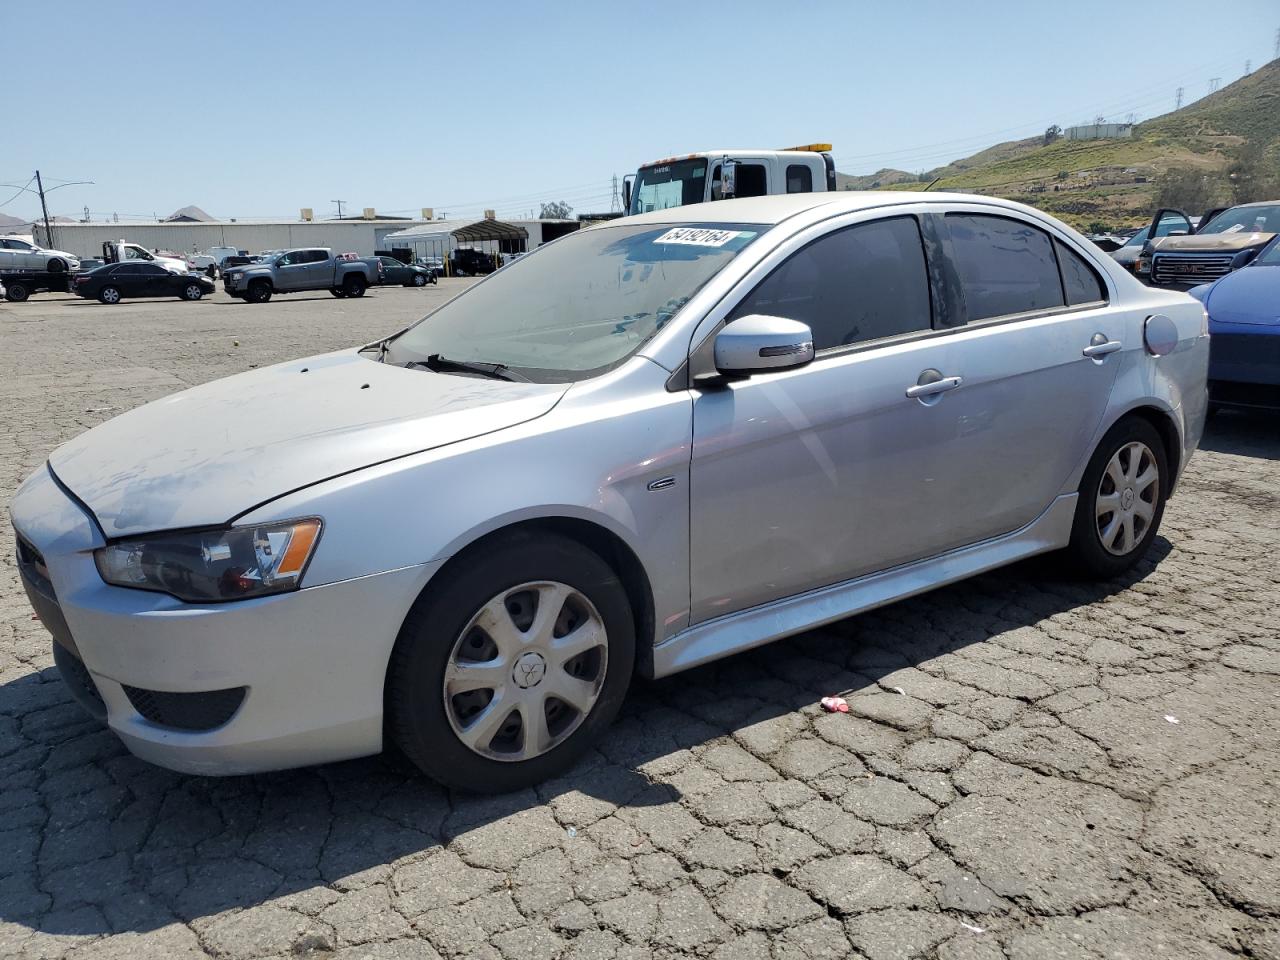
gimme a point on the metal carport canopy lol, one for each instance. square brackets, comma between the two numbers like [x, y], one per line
[490, 230]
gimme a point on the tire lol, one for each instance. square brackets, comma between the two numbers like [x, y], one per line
[109, 295]
[441, 630]
[354, 286]
[17, 291]
[419, 280]
[192, 291]
[57, 265]
[259, 292]
[1106, 544]
[338, 292]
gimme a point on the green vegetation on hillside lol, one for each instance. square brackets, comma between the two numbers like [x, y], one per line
[1230, 138]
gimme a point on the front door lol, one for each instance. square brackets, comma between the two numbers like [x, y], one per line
[291, 270]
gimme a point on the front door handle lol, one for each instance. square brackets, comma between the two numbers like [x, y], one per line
[1095, 349]
[933, 388]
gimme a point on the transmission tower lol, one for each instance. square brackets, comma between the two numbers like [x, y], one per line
[615, 204]
[1277, 53]
[1178, 99]
[1214, 83]
[1248, 67]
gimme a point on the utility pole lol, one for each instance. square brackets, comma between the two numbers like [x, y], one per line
[48, 236]
[1178, 100]
[1214, 83]
[339, 203]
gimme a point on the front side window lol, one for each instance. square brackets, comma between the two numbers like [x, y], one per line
[289, 259]
[859, 283]
[799, 178]
[1080, 281]
[578, 307]
[1005, 266]
[667, 185]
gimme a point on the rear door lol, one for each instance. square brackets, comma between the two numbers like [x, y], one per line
[1038, 353]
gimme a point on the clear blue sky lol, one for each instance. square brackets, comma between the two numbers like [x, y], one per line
[258, 109]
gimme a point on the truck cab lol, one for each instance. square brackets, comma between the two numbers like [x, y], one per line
[722, 174]
[121, 251]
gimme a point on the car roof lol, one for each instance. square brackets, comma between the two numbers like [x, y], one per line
[778, 207]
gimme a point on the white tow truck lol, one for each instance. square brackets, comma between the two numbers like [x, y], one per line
[722, 174]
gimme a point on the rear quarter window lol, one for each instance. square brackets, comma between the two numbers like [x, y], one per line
[1080, 282]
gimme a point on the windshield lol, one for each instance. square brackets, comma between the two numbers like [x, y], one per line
[1270, 255]
[666, 185]
[1139, 238]
[1245, 220]
[580, 306]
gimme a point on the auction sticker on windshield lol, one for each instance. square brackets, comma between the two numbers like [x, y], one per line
[700, 236]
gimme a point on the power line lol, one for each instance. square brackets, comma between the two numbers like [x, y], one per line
[22, 189]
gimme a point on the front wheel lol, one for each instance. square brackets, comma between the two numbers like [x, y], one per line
[1121, 500]
[109, 295]
[510, 666]
[192, 291]
[259, 291]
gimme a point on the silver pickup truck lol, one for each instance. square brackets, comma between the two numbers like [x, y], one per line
[307, 268]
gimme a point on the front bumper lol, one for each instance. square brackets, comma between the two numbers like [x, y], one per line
[289, 680]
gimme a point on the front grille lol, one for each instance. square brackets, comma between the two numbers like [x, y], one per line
[1174, 268]
[81, 686]
[187, 711]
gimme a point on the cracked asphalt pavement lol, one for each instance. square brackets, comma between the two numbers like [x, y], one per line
[1030, 768]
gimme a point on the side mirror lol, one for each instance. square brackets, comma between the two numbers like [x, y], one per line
[757, 343]
[728, 179]
[626, 192]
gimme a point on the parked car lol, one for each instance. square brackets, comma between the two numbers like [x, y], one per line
[405, 274]
[434, 264]
[114, 282]
[659, 442]
[465, 262]
[203, 263]
[1188, 255]
[19, 254]
[1244, 327]
[308, 268]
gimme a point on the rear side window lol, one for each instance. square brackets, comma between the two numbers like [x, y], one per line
[750, 180]
[1005, 266]
[1079, 280]
[861, 283]
[799, 178]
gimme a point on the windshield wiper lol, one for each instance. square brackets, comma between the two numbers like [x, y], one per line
[497, 371]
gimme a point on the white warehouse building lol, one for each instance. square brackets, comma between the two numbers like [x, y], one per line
[343, 236]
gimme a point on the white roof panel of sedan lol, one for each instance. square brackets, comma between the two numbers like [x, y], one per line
[778, 207]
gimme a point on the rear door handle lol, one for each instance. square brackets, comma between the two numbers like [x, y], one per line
[1102, 349]
[933, 388]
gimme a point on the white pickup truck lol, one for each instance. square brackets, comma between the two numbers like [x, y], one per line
[121, 251]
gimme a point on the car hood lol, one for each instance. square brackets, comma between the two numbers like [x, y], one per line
[1251, 295]
[205, 455]
[1212, 242]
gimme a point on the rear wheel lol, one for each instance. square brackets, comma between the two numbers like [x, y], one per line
[1121, 501]
[354, 286]
[419, 280]
[109, 295]
[57, 265]
[259, 291]
[192, 291]
[338, 292]
[17, 291]
[509, 667]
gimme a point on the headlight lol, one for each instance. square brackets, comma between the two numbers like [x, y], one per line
[214, 565]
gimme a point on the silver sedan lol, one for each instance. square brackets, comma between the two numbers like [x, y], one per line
[645, 446]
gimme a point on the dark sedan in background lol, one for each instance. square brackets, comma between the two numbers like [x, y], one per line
[1244, 333]
[114, 282]
[404, 274]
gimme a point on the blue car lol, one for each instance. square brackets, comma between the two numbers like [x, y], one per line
[1244, 328]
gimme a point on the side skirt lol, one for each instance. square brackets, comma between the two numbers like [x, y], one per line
[746, 629]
